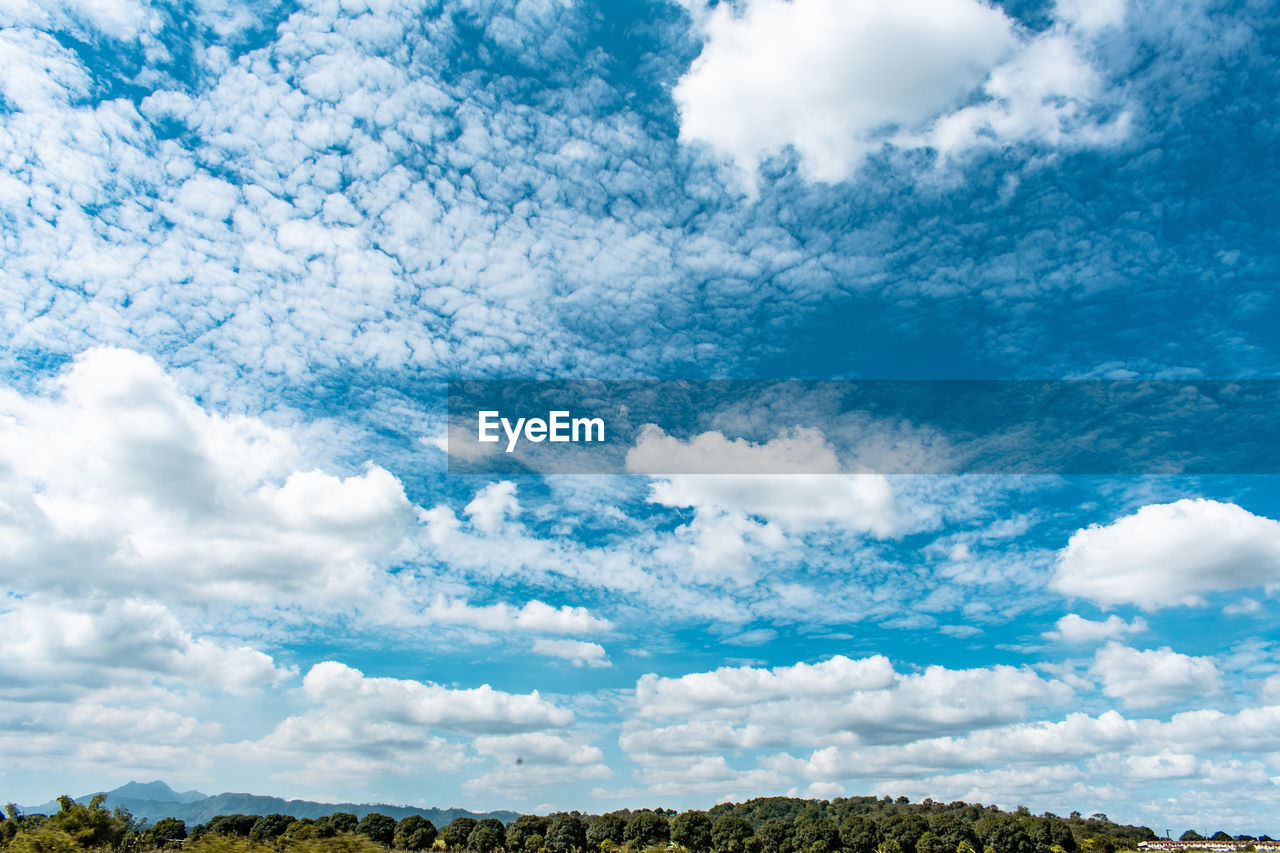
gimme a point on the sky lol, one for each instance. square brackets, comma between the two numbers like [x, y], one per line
[245, 247]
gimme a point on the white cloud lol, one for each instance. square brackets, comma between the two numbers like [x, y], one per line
[492, 505]
[533, 616]
[830, 77]
[366, 727]
[794, 480]
[1058, 765]
[1170, 554]
[799, 451]
[538, 748]
[345, 691]
[155, 725]
[38, 86]
[1243, 607]
[99, 643]
[120, 481]
[1091, 15]
[838, 81]
[531, 762]
[862, 503]
[536, 616]
[838, 701]
[92, 731]
[1155, 677]
[1073, 628]
[712, 775]
[580, 652]
[728, 688]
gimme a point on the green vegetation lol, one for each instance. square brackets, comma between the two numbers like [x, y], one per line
[763, 825]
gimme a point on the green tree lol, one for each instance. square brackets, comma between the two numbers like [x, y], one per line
[1004, 834]
[816, 835]
[607, 827]
[487, 836]
[1191, 835]
[90, 825]
[378, 828]
[231, 824]
[775, 836]
[523, 829]
[860, 834]
[343, 822]
[905, 829]
[566, 833]
[167, 829]
[647, 829]
[692, 830]
[952, 830]
[730, 833]
[270, 826]
[931, 843]
[415, 832]
[458, 832]
[1049, 832]
[305, 827]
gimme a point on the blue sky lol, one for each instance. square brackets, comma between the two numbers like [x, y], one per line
[245, 247]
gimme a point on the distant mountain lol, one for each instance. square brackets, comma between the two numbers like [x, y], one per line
[155, 801]
[156, 792]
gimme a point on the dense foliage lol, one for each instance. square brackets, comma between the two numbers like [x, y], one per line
[763, 825]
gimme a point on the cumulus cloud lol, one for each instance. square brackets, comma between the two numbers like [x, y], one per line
[120, 481]
[840, 700]
[1170, 554]
[862, 503]
[492, 505]
[1155, 677]
[747, 496]
[105, 643]
[859, 714]
[837, 81]
[579, 652]
[735, 687]
[827, 77]
[535, 761]
[1074, 628]
[336, 686]
[712, 775]
[1057, 763]
[796, 480]
[366, 727]
[127, 717]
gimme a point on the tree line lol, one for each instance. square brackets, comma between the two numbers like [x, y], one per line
[762, 825]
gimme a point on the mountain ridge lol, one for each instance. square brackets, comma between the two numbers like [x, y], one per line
[195, 807]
